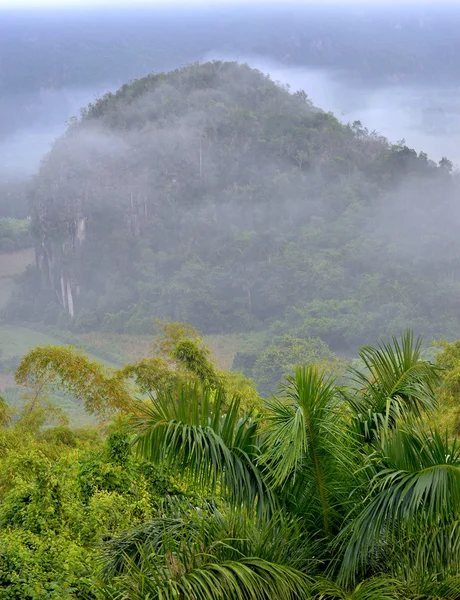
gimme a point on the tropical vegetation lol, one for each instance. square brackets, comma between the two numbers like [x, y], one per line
[340, 486]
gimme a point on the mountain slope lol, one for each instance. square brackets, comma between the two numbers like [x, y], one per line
[212, 195]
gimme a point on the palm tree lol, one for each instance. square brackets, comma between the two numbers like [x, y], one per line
[395, 381]
[194, 429]
[330, 494]
[210, 554]
[308, 455]
[411, 514]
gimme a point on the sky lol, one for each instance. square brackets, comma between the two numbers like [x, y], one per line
[71, 3]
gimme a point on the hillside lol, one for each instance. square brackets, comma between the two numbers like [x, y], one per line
[213, 196]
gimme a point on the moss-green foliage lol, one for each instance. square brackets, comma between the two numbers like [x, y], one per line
[62, 492]
[33, 567]
[448, 359]
[5, 413]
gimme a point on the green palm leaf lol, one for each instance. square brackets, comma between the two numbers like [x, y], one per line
[396, 381]
[307, 452]
[427, 588]
[246, 579]
[416, 489]
[211, 554]
[188, 427]
[378, 588]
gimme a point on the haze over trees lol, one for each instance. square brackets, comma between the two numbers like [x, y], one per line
[61, 60]
[214, 196]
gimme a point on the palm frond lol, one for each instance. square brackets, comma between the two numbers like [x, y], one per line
[211, 554]
[396, 381]
[246, 579]
[416, 489]
[128, 548]
[188, 427]
[429, 588]
[378, 588]
[226, 534]
[295, 420]
[306, 451]
[428, 564]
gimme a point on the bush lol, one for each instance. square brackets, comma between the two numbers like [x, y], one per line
[34, 567]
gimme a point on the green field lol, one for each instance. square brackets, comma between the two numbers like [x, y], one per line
[16, 341]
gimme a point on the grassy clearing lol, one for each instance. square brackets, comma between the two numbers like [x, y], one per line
[224, 348]
[17, 341]
[128, 347]
[15, 263]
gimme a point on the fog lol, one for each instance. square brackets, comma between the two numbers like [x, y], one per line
[388, 47]
[30, 127]
[198, 165]
[428, 118]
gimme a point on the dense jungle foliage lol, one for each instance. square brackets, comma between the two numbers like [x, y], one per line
[214, 196]
[193, 487]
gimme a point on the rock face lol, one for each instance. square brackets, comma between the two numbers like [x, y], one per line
[57, 262]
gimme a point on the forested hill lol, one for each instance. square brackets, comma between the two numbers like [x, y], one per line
[211, 195]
